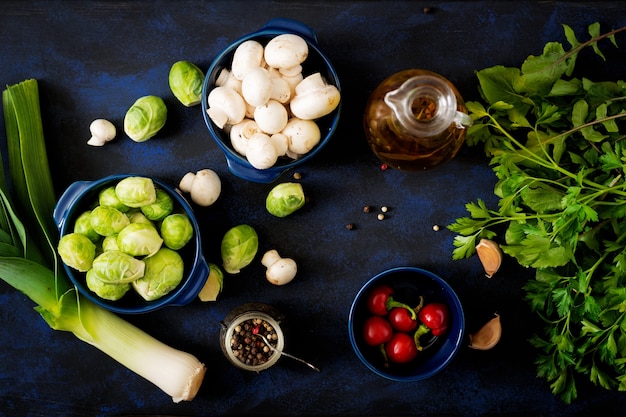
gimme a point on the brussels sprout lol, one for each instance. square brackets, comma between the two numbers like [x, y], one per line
[145, 118]
[136, 216]
[77, 251]
[284, 199]
[117, 267]
[186, 82]
[213, 285]
[136, 191]
[162, 206]
[112, 292]
[108, 197]
[239, 246]
[164, 271]
[110, 243]
[107, 221]
[139, 239]
[83, 226]
[176, 230]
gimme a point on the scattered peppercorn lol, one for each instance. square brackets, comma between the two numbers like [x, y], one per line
[366, 209]
[436, 228]
[383, 167]
[384, 209]
[297, 176]
[381, 216]
[350, 226]
[427, 10]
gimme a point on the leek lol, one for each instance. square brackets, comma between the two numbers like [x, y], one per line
[30, 264]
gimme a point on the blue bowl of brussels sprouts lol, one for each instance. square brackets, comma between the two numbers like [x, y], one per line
[130, 243]
[271, 100]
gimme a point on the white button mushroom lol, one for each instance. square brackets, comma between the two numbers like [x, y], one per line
[261, 152]
[271, 117]
[303, 135]
[102, 131]
[281, 143]
[204, 187]
[226, 79]
[256, 87]
[225, 106]
[241, 132]
[248, 55]
[314, 98]
[281, 90]
[293, 81]
[286, 51]
[280, 271]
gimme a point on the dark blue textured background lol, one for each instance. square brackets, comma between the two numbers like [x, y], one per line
[93, 59]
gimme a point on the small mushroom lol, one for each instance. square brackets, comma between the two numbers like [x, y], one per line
[280, 91]
[226, 106]
[303, 135]
[226, 79]
[280, 271]
[248, 55]
[314, 98]
[102, 131]
[204, 187]
[260, 151]
[281, 143]
[286, 51]
[256, 87]
[241, 132]
[271, 117]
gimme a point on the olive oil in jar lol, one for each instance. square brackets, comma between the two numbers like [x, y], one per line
[415, 120]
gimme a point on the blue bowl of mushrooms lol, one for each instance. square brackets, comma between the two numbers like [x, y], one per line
[130, 244]
[271, 100]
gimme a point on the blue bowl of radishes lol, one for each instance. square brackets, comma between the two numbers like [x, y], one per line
[271, 100]
[406, 324]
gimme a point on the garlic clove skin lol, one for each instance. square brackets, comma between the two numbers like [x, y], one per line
[488, 336]
[490, 256]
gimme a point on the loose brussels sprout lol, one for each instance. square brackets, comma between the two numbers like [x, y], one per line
[83, 226]
[162, 206]
[77, 251]
[139, 239]
[164, 271]
[239, 247]
[117, 267]
[108, 197]
[284, 199]
[107, 221]
[110, 243]
[145, 118]
[176, 230]
[136, 191]
[186, 82]
[112, 292]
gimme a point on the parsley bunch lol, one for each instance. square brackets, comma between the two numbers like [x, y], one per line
[558, 149]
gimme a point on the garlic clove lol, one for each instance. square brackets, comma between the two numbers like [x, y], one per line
[488, 336]
[490, 256]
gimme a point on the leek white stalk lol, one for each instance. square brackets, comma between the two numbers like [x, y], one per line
[177, 373]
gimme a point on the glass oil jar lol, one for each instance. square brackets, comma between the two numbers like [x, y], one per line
[415, 120]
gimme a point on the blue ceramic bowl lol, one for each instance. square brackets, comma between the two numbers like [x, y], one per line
[82, 196]
[315, 62]
[408, 284]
